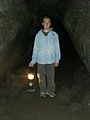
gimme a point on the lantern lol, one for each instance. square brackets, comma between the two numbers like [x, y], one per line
[31, 76]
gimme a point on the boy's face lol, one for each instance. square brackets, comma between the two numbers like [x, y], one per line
[46, 23]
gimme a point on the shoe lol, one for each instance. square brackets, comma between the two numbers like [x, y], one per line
[42, 94]
[51, 94]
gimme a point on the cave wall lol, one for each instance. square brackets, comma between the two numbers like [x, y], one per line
[75, 17]
[15, 19]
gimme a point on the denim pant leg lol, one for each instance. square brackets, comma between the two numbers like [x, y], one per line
[42, 79]
[50, 73]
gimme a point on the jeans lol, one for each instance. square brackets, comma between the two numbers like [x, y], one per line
[46, 77]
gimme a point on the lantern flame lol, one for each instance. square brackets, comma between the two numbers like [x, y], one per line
[30, 76]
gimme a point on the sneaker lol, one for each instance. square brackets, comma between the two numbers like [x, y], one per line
[42, 94]
[51, 94]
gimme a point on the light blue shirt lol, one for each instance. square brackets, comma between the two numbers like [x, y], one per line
[46, 48]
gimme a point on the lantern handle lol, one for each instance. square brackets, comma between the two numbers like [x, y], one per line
[32, 69]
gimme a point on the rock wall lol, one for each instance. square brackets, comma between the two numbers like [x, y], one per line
[15, 19]
[75, 17]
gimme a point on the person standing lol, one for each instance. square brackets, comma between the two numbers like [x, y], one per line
[47, 54]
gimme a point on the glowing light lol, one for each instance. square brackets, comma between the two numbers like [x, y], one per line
[30, 76]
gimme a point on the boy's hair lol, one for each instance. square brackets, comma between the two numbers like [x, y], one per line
[46, 17]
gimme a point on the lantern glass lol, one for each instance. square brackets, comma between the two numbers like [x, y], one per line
[30, 76]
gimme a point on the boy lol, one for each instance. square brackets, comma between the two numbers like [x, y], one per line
[46, 53]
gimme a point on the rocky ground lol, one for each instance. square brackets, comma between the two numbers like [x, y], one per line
[71, 103]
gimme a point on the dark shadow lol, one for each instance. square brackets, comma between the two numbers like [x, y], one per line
[70, 60]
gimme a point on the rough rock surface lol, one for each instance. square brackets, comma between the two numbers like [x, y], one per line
[76, 19]
[13, 25]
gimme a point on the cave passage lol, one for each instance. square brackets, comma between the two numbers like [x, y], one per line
[20, 20]
[70, 60]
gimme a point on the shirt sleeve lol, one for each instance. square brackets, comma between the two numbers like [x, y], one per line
[57, 49]
[35, 51]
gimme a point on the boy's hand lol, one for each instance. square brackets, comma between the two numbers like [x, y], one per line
[31, 65]
[56, 64]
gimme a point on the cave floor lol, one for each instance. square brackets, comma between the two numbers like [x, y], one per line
[29, 106]
[32, 107]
